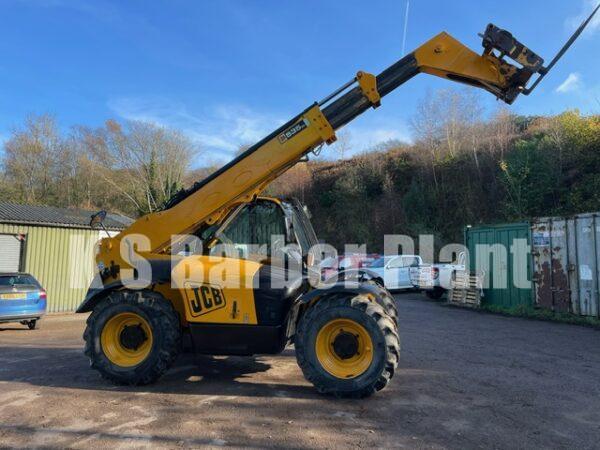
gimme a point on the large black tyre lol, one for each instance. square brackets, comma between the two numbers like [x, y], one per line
[386, 300]
[162, 322]
[381, 330]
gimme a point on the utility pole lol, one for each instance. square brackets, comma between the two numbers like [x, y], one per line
[405, 27]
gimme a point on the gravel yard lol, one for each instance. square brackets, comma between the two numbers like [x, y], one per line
[466, 380]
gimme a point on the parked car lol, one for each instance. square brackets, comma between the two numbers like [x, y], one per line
[397, 272]
[436, 279]
[331, 266]
[22, 299]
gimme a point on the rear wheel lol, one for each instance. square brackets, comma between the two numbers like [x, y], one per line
[31, 324]
[133, 337]
[348, 347]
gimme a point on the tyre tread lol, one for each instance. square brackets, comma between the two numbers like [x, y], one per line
[385, 323]
[153, 303]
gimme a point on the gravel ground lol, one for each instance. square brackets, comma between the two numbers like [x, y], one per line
[466, 380]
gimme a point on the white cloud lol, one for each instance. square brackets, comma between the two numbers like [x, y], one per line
[220, 130]
[573, 83]
[587, 7]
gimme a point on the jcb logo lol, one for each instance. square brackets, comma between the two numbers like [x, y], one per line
[204, 298]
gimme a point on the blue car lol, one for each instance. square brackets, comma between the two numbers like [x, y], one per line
[22, 299]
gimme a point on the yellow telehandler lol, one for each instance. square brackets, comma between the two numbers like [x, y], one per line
[166, 283]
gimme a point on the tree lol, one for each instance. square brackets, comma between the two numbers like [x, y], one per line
[444, 125]
[144, 163]
[503, 130]
[343, 144]
[31, 160]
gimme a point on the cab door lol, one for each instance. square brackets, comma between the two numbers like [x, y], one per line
[397, 272]
[409, 263]
[244, 280]
[392, 274]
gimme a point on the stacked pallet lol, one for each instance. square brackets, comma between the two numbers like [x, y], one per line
[466, 290]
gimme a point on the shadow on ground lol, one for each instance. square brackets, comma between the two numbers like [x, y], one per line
[191, 374]
[13, 328]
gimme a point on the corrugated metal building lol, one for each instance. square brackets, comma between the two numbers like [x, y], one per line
[55, 245]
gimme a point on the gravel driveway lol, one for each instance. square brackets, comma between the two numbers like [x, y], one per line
[466, 380]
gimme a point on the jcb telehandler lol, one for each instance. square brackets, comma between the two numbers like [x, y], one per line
[154, 294]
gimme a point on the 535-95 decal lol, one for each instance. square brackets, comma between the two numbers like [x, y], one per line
[293, 130]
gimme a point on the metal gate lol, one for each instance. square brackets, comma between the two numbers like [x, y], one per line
[10, 253]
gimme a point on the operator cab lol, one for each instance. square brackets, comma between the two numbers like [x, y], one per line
[266, 230]
[278, 235]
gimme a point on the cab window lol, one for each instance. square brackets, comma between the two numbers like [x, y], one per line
[410, 261]
[395, 263]
[253, 231]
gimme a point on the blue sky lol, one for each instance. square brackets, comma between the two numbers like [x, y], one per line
[227, 72]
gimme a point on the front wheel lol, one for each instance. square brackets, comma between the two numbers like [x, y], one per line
[132, 337]
[386, 300]
[347, 347]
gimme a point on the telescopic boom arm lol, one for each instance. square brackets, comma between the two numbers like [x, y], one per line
[208, 201]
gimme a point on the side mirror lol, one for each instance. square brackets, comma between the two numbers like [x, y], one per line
[97, 219]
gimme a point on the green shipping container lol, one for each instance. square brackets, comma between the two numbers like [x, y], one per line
[500, 253]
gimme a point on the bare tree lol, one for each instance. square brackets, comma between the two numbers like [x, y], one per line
[446, 125]
[145, 163]
[425, 126]
[343, 144]
[31, 157]
[503, 130]
[294, 182]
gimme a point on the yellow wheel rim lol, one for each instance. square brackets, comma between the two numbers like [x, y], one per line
[344, 348]
[126, 339]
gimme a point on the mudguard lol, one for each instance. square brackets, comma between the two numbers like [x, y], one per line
[345, 287]
[95, 294]
[161, 273]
